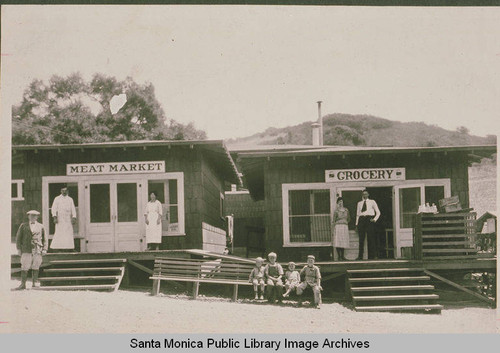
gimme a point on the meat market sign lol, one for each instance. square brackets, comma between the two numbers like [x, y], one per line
[363, 175]
[115, 168]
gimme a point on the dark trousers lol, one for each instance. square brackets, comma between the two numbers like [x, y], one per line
[366, 229]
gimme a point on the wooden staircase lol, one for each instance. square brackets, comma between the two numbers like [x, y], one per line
[396, 290]
[96, 274]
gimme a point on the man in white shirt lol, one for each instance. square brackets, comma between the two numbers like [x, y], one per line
[367, 213]
[64, 214]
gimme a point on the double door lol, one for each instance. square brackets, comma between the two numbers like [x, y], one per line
[113, 215]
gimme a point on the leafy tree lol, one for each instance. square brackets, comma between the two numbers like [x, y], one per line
[70, 110]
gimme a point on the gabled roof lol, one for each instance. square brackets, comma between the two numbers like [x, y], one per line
[216, 149]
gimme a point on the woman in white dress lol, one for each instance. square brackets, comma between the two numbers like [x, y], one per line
[341, 220]
[152, 218]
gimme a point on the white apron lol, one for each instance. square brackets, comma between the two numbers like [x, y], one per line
[153, 230]
[64, 209]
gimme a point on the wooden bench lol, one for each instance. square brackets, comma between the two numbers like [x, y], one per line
[218, 271]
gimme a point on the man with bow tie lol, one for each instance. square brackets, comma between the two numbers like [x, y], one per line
[32, 244]
[366, 216]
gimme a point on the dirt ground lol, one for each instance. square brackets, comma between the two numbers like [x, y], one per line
[136, 311]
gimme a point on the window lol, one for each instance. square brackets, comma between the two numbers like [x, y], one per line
[170, 193]
[307, 215]
[433, 194]
[409, 200]
[17, 190]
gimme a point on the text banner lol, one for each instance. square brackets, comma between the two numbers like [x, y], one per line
[363, 175]
[116, 168]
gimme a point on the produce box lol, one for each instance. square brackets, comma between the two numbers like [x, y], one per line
[450, 204]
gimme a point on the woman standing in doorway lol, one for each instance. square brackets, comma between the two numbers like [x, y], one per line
[152, 218]
[341, 220]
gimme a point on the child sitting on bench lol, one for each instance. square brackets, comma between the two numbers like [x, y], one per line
[292, 279]
[257, 278]
[312, 279]
[274, 272]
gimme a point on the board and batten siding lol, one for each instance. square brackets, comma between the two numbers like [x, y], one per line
[278, 171]
[200, 181]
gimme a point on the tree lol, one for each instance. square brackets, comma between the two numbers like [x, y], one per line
[70, 110]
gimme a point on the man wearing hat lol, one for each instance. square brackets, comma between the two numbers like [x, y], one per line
[32, 244]
[312, 279]
[64, 214]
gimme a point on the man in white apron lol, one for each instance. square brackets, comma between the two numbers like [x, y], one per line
[64, 214]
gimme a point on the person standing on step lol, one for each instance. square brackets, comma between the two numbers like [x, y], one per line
[64, 215]
[341, 219]
[152, 218]
[32, 244]
[367, 214]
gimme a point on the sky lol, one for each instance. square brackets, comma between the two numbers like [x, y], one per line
[237, 70]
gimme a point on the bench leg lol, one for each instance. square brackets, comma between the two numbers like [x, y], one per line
[235, 292]
[196, 287]
[156, 287]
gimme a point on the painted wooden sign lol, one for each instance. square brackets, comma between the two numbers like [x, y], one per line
[146, 167]
[363, 175]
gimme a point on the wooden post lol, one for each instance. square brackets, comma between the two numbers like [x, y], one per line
[126, 276]
[196, 287]
[156, 287]
[235, 292]
[417, 237]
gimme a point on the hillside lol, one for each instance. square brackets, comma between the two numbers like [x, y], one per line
[365, 130]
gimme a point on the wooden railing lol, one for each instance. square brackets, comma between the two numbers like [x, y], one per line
[444, 236]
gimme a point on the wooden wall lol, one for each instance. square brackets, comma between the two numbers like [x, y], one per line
[278, 171]
[202, 185]
[212, 187]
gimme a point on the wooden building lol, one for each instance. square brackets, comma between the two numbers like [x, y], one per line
[299, 189]
[110, 184]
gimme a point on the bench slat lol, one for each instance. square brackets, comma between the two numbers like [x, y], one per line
[188, 279]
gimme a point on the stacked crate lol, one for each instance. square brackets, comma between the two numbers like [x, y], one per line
[445, 236]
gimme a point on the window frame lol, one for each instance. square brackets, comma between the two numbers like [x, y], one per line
[179, 176]
[19, 184]
[285, 189]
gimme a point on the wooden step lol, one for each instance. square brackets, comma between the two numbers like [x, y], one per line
[431, 243]
[393, 288]
[73, 278]
[395, 297]
[430, 236]
[400, 307]
[447, 250]
[56, 262]
[79, 287]
[383, 279]
[375, 270]
[76, 269]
